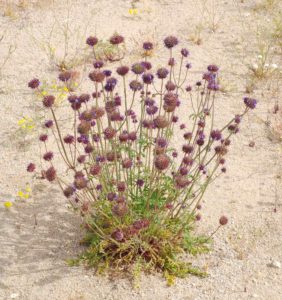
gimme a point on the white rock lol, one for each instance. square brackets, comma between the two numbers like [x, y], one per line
[14, 295]
[275, 264]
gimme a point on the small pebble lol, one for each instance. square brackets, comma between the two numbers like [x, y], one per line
[14, 295]
[274, 264]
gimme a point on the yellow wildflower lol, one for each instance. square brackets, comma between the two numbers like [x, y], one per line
[66, 89]
[22, 195]
[26, 123]
[28, 189]
[8, 204]
[133, 11]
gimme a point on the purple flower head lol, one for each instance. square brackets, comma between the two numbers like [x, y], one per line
[116, 39]
[187, 149]
[107, 73]
[161, 142]
[209, 76]
[213, 86]
[184, 52]
[200, 141]
[237, 119]
[69, 139]
[96, 137]
[117, 100]
[250, 102]
[132, 136]
[188, 88]
[212, 68]
[170, 41]
[48, 101]
[34, 83]
[183, 171]
[83, 98]
[135, 85]
[187, 135]
[148, 46]
[151, 110]
[92, 41]
[48, 156]
[81, 159]
[162, 73]
[89, 148]
[122, 70]
[31, 167]
[147, 65]
[99, 187]
[149, 102]
[98, 64]
[138, 68]
[118, 235]
[43, 137]
[171, 62]
[140, 182]
[170, 86]
[83, 138]
[148, 78]
[48, 123]
[110, 84]
[65, 76]
[216, 135]
[188, 66]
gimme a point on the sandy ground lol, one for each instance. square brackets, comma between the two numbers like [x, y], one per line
[38, 234]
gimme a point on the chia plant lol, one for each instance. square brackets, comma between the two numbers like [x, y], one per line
[138, 194]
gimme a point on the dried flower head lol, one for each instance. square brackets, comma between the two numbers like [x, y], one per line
[50, 174]
[162, 162]
[170, 41]
[148, 46]
[122, 70]
[48, 156]
[48, 101]
[223, 220]
[250, 102]
[116, 39]
[97, 76]
[92, 41]
[30, 167]
[65, 76]
[109, 133]
[34, 83]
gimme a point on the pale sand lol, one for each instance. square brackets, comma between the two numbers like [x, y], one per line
[32, 254]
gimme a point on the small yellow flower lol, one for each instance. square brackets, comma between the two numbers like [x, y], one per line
[54, 86]
[52, 50]
[133, 11]
[75, 84]
[23, 195]
[20, 194]
[8, 204]
[28, 189]
[26, 123]
[43, 93]
[66, 89]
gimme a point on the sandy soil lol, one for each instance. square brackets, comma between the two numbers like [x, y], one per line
[38, 234]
